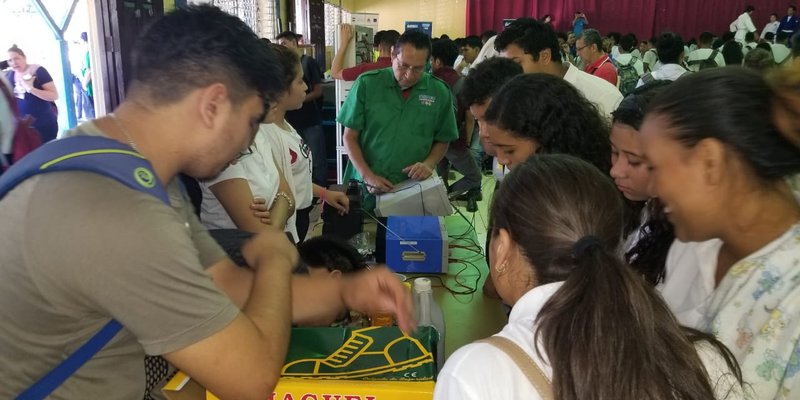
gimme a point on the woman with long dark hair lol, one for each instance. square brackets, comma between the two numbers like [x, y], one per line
[542, 114]
[648, 234]
[588, 322]
[722, 177]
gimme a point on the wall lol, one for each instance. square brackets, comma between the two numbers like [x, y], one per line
[448, 16]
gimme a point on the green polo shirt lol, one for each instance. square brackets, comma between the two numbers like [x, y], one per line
[397, 132]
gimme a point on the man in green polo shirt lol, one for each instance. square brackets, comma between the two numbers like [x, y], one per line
[398, 121]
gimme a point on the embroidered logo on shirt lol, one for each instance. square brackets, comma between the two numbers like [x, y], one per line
[427, 100]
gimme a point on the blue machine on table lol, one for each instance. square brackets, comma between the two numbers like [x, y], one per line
[417, 245]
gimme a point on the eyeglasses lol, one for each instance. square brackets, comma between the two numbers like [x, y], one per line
[406, 68]
[581, 48]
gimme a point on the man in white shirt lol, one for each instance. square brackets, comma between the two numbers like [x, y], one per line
[615, 38]
[534, 45]
[780, 50]
[749, 43]
[771, 26]
[470, 49]
[670, 55]
[649, 54]
[626, 55]
[701, 58]
[743, 24]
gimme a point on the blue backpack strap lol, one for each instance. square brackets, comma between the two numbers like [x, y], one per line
[102, 156]
[96, 154]
[50, 382]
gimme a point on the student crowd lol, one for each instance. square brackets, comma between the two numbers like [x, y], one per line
[645, 230]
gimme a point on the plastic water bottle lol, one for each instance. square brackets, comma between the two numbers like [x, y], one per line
[429, 313]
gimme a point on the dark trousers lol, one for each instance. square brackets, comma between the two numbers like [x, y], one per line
[302, 222]
[314, 137]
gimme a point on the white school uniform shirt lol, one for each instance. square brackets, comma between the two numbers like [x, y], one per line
[770, 27]
[755, 310]
[780, 52]
[743, 24]
[747, 47]
[614, 52]
[459, 59]
[487, 51]
[651, 59]
[628, 59]
[669, 72]
[482, 371]
[636, 53]
[293, 157]
[262, 176]
[704, 54]
[597, 90]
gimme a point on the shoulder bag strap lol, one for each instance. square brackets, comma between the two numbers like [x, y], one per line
[50, 382]
[525, 363]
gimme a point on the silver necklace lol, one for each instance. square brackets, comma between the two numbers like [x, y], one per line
[124, 132]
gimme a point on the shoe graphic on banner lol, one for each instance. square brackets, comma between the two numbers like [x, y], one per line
[361, 356]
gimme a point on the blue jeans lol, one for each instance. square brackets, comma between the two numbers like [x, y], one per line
[314, 137]
[464, 162]
[475, 146]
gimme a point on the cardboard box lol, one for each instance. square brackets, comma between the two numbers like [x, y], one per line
[181, 387]
[375, 363]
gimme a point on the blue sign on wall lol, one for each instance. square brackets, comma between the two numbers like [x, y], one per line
[426, 27]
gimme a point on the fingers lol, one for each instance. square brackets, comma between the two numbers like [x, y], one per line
[386, 184]
[418, 171]
[380, 290]
[259, 205]
[379, 184]
[267, 246]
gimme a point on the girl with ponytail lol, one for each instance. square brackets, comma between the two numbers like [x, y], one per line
[590, 324]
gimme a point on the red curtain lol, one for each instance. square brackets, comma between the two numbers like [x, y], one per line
[645, 18]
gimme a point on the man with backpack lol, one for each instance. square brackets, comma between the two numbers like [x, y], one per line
[103, 261]
[670, 56]
[629, 68]
[649, 55]
[705, 57]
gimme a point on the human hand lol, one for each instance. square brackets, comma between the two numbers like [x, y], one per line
[268, 248]
[260, 210]
[418, 171]
[345, 33]
[379, 290]
[337, 200]
[377, 184]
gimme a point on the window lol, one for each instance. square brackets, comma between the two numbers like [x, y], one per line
[259, 15]
[333, 17]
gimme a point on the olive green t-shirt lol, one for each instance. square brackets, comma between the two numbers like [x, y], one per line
[77, 249]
